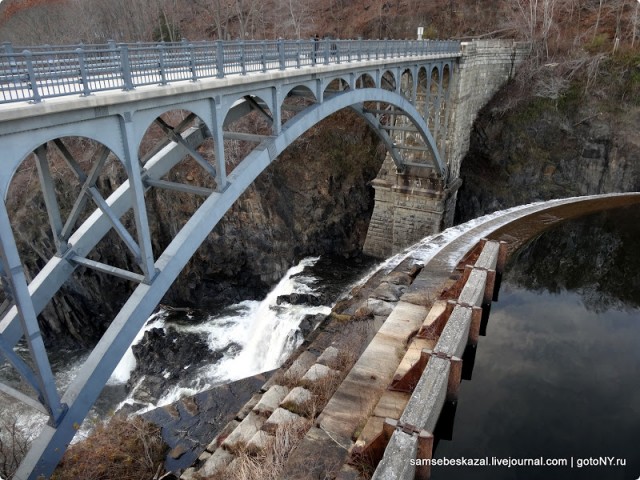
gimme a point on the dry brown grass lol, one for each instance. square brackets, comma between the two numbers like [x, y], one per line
[123, 448]
[267, 465]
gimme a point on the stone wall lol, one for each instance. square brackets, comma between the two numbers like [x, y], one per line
[415, 203]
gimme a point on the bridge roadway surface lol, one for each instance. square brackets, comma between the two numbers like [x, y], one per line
[350, 406]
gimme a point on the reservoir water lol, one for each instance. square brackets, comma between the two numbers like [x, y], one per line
[558, 375]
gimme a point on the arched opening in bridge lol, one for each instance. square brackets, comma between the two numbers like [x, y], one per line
[388, 81]
[295, 101]
[365, 81]
[406, 84]
[422, 92]
[435, 100]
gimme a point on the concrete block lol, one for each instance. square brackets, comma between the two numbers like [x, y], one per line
[473, 291]
[243, 432]
[282, 417]
[224, 433]
[329, 357]
[317, 372]
[271, 400]
[247, 407]
[260, 442]
[215, 463]
[300, 366]
[455, 335]
[379, 307]
[297, 399]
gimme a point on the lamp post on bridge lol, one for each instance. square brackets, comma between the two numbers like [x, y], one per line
[421, 31]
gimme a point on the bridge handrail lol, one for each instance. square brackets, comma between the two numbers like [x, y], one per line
[39, 72]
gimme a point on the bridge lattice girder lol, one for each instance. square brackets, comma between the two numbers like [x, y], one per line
[121, 133]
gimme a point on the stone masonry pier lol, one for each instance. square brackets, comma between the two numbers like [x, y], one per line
[414, 202]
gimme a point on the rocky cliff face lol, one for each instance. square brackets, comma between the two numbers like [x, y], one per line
[543, 149]
[315, 199]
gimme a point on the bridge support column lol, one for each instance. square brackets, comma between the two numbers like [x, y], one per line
[408, 206]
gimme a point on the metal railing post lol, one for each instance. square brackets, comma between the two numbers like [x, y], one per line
[126, 67]
[326, 51]
[298, 54]
[83, 72]
[192, 62]
[163, 76]
[219, 59]
[264, 56]
[35, 94]
[243, 65]
[281, 54]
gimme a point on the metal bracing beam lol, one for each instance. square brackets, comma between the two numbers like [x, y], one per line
[177, 138]
[50, 200]
[374, 122]
[382, 111]
[245, 137]
[399, 128]
[49, 280]
[178, 129]
[256, 106]
[44, 379]
[27, 375]
[413, 148]
[178, 187]
[108, 269]
[132, 167]
[87, 189]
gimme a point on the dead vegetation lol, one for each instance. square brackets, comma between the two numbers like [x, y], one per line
[122, 448]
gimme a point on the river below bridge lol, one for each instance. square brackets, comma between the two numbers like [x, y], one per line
[557, 375]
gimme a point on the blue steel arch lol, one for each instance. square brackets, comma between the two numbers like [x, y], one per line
[85, 388]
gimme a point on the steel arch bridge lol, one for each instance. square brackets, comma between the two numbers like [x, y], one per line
[404, 98]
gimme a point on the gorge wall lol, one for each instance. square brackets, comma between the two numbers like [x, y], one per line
[582, 143]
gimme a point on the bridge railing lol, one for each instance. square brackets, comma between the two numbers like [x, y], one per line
[40, 72]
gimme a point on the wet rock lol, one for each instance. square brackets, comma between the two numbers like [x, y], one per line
[379, 307]
[388, 292]
[163, 358]
[399, 278]
[302, 299]
[309, 323]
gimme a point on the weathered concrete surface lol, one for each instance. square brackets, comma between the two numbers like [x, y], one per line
[192, 424]
[473, 291]
[216, 462]
[270, 401]
[427, 400]
[455, 334]
[371, 374]
[488, 258]
[395, 464]
[244, 432]
[317, 456]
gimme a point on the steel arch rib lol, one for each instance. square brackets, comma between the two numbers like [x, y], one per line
[84, 390]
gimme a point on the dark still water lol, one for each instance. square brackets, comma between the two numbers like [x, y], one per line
[558, 374]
